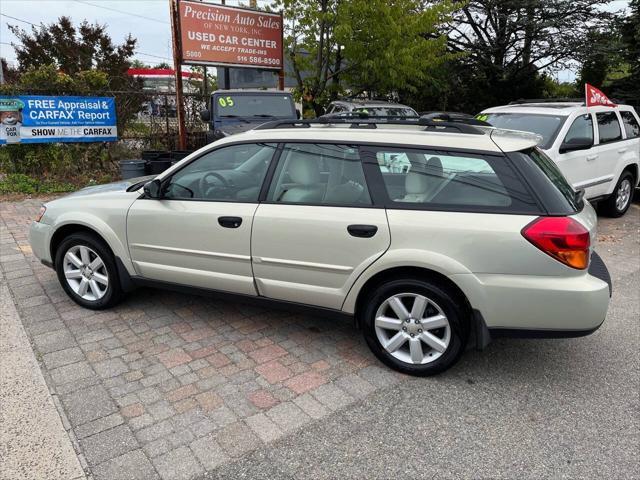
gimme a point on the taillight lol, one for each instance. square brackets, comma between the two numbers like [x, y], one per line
[563, 238]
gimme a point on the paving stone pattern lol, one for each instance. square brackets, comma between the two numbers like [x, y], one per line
[170, 386]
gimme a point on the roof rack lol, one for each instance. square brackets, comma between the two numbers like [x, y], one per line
[521, 101]
[362, 120]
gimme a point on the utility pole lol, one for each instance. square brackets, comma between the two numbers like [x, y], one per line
[177, 65]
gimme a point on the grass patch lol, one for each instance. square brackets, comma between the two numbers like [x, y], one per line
[20, 183]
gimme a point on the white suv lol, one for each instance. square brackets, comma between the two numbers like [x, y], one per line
[596, 148]
[480, 237]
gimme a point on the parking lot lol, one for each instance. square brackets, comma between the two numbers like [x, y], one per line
[173, 386]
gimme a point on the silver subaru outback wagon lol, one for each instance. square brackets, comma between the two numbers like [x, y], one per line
[433, 236]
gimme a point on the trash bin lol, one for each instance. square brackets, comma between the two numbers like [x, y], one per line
[157, 161]
[159, 165]
[177, 155]
[132, 168]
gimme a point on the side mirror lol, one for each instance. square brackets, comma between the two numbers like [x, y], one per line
[205, 115]
[578, 143]
[153, 189]
[298, 114]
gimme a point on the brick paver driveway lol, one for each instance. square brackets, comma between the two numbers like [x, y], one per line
[169, 385]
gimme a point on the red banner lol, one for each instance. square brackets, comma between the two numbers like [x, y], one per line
[594, 97]
[216, 35]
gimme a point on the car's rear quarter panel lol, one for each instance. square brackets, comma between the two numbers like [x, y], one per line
[509, 280]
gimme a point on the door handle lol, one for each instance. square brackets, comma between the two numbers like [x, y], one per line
[622, 150]
[591, 157]
[364, 231]
[230, 222]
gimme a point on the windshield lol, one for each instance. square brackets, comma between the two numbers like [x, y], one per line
[388, 111]
[264, 106]
[546, 126]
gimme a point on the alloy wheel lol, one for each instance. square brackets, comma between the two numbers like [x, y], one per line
[412, 328]
[85, 273]
[623, 195]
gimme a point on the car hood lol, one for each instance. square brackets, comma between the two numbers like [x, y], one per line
[120, 186]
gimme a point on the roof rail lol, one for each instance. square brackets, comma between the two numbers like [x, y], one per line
[521, 101]
[360, 121]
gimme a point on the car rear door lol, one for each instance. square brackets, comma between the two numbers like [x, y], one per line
[317, 230]
[610, 149]
[199, 233]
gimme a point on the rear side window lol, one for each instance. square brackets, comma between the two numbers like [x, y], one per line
[452, 181]
[631, 126]
[319, 174]
[582, 127]
[553, 173]
[608, 127]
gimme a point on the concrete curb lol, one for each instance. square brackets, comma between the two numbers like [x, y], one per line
[33, 440]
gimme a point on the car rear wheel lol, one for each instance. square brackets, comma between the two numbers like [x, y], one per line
[87, 272]
[415, 327]
[620, 200]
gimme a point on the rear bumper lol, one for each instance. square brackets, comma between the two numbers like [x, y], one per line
[539, 307]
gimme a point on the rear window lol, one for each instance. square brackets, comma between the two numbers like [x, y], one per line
[443, 180]
[547, 126]
[631, 126]
[244, 105]
[554, 174]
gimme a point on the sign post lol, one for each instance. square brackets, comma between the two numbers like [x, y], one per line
[177, 66]
[221, 36]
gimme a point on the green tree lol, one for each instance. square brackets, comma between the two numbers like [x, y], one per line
[624, 79]
[506, 47]
[372, 46]
[75, 49]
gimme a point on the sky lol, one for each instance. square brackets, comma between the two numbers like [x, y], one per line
[146, 20]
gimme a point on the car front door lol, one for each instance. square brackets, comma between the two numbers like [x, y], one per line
[317, 231]
[199, 232]
[580, 167]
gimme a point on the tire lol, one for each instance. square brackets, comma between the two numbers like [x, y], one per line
[380, 323]
[80, 245]
[617, 204]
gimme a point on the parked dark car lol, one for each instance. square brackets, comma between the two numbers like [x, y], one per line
[235, 111]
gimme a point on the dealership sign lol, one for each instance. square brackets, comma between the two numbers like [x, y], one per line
[40, 119]
[229, 36]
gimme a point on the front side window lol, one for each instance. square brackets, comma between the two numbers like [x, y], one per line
[608, 127]
[230, 174]
[582, 127]
[450, 180]
[631, 126]
[547, 126]
[319, 174]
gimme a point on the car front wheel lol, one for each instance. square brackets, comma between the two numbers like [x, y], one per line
[415, 327]
[87, 272]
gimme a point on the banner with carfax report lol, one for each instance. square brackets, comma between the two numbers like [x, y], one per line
[47, 119]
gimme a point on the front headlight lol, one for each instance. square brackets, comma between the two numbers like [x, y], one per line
[41, 213]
